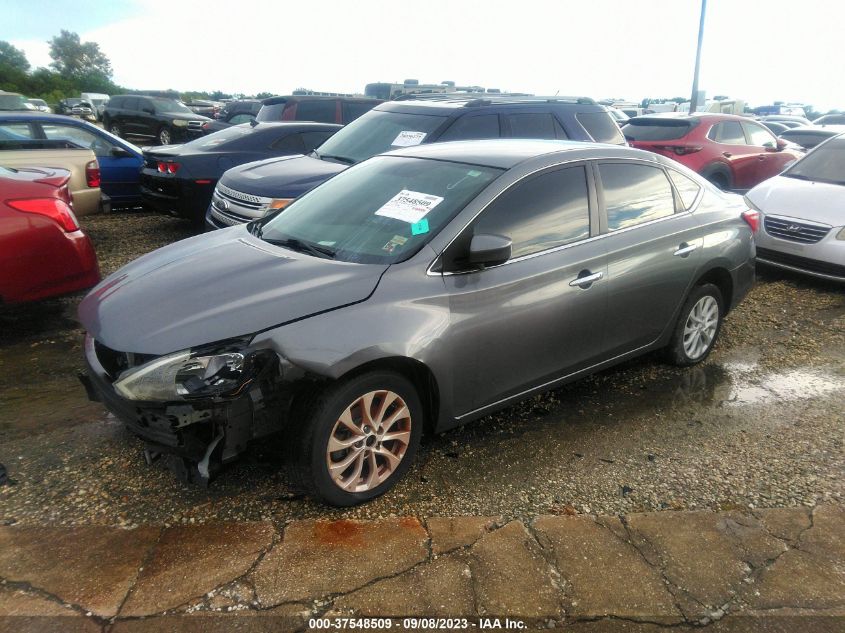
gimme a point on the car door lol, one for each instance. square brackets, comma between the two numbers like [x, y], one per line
[742, 158]
[129, 116]
[539, 315]
[653, 246]
[770, 160]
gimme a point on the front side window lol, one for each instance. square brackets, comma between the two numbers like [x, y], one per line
[473, 127]
[759, 136]
[380, 212]
[532, 125]
[15, 131]
[169, 106]
[634, 194]
[379, 131]
[243, 117]
[541, 212]
[289, 144]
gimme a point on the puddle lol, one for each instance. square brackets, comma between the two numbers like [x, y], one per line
[797, 384]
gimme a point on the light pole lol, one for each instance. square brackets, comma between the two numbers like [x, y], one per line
[694, 97]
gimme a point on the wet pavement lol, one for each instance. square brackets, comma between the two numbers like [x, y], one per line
[759, 424]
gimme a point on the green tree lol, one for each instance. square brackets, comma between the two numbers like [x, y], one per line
[75, 59]
[13, 57]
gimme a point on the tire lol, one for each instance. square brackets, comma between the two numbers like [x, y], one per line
[695, 334]
[720, 180]
[164, 137]
[114, 128]
[319, 421]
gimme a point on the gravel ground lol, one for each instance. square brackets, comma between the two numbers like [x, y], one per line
[759, 424]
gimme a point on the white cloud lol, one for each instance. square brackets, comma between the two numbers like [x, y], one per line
[37, 52]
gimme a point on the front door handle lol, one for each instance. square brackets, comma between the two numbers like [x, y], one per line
[685, 249]
[727, 154]
[586, 279]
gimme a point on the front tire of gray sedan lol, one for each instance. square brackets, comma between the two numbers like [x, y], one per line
[698, 326]
[356, 438]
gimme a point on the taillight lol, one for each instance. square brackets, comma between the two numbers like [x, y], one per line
[92, 173]
[53, 208]
[752, 218]
[168, 168]
[680, 150]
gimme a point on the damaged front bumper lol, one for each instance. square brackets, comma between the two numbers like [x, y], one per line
[206, 433]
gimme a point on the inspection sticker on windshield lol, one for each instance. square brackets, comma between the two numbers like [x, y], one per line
[409, 206]
[407, 138]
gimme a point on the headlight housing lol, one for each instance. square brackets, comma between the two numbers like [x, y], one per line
[278, 203]
[180, 123]
[191, 374]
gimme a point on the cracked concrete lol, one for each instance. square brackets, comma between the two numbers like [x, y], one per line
[780, 570]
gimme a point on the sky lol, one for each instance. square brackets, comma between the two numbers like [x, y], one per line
[755, 50]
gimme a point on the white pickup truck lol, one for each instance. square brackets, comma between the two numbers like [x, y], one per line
[84, 169]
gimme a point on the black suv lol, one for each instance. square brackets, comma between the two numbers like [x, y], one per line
[248, 192]
[166, 120]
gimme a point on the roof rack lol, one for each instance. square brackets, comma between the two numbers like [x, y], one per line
[475, 99]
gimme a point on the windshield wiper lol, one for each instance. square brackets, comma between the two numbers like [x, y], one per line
[341, 159]
[303, 247]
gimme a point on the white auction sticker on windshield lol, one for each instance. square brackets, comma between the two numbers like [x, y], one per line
[409, 206]
[406, 138]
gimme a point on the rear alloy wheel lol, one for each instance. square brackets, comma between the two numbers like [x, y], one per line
[698, 326]
[164, 137]
[361, 438]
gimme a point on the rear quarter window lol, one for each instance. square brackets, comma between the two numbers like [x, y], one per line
[321, 111]
[601, 127]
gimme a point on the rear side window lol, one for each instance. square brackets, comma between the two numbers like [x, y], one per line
[351, 110]
[601, 127]
[321, 111]
[243, 117]
[687, 187]
[116, 102]
[656, 129]
[634, 194]
[532, 125]
[541, 212]
[272, 112]
[728, 133]
[313, 140]
[472, 127]
[290, 144]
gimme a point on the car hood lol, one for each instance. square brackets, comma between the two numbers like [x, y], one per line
[801, 199]
[282, 177]
[184, 116]
[213, 287]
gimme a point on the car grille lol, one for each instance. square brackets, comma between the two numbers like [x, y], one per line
[227, 218]
[801, 263]
[802, 232]
[242, 199]
[195, 126]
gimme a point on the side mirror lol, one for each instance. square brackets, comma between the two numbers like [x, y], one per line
[118, 152]
[489, 250]
[781, 144]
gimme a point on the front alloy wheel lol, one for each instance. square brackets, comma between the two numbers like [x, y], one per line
[164, 137]
[369, 441]
[356, 438]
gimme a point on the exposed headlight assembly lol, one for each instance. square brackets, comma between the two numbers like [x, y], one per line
[179, 123]
[192, 374]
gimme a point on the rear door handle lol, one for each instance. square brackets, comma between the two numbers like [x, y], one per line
[685, 249]
[585, 281]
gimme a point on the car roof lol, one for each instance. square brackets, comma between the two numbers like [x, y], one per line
[449, 103]
[820, 130]
[507, 153]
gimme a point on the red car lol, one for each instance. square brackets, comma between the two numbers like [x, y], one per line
[43, 252]
[732, 152]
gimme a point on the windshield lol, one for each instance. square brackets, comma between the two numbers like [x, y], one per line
[825, 164]
[13, 102]
[171, 105]
[379, 212]
[656, 129]
[376, 132]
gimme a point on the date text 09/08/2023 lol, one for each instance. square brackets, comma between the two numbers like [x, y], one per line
[410, 624]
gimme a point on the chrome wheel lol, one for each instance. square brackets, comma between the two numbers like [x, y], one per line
[164, 136]
[701, 326]
[368, 441]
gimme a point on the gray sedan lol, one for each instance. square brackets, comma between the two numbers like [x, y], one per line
[420, 289]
